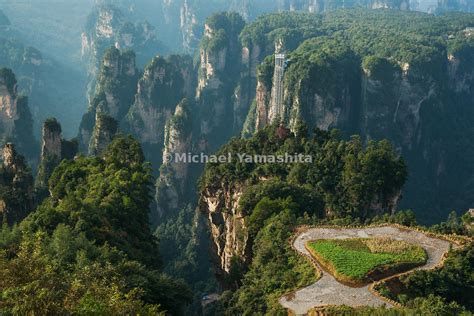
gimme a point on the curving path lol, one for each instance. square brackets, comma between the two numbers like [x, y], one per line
[328, 291]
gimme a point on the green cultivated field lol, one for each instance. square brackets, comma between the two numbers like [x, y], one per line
[352, 260]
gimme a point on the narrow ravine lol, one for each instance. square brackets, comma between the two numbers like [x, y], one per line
[328, 291]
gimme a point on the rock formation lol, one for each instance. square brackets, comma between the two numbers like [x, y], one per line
[16, 123]
[165, 82]
[114, 92]
[16, 186]
[107, 26]
[227, 224]
[53, 150]
[183, 20]
[174, 179]
[105, 129]
[220, 67]
[415, 103]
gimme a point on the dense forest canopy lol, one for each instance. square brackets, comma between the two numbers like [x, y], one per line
[343, 179]
[381, 74]
[89, 246]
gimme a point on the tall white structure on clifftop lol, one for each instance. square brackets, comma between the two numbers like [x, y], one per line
[278, 89]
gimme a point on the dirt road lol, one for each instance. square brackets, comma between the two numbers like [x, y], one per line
[328, 291]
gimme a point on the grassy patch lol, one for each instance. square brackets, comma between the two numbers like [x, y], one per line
[358, 260]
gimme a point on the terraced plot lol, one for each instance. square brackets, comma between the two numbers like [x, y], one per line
[328, 291]
[361, 260]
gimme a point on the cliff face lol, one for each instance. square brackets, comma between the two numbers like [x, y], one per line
[16, 123]
[53, 149]
[420, 104]
[374, 97]
[164, 84]
[8, 102]
[343, 179]
[114, 92]
[105, 129]
[51, 139]
[16, 183]
[219, 74]
[228, 225]
[174, 179]
[183, 20]
[325, 101]
[108, 26]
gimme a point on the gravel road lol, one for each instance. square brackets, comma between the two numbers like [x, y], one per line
[328, 291]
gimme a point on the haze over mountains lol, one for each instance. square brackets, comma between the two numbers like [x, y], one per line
[94, 95]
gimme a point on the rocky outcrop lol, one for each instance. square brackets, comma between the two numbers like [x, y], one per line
[227, 223]
[405, 101]
[108, 26]
[53, 150]
[330, 102]
[183, 20]
[364, 182]
[220, 67]
[262, 99]
[16, 186]
[165, 82]
[16, 123]
[8, 102]
[173, 181]
[51, 138]
[420, 105]
[104, 132]
[114, 92]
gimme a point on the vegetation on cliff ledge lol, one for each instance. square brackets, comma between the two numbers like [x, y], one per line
[344, 179]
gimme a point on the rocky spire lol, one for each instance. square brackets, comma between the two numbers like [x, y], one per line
[53, 150]
[221, 65]
[105, 129]
[114, 92]
[165, 82]
[16, 124]
[8, 101]
[51, 145]
[16, 186]
[12, 161]
[171, 184]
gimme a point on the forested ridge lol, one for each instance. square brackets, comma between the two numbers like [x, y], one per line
[380, 74]
[88, 248]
